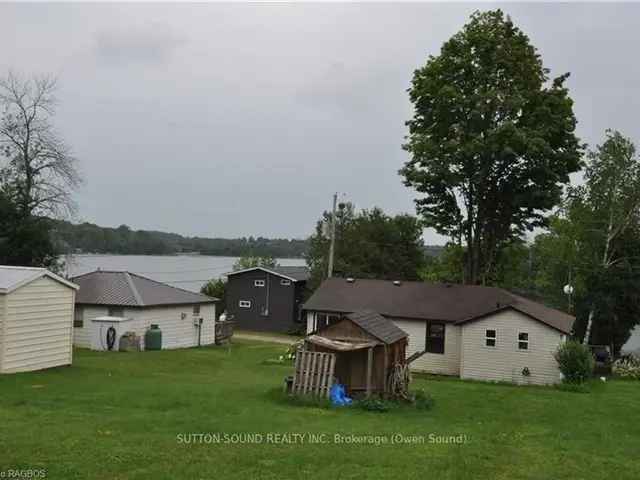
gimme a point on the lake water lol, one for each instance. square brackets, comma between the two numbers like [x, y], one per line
[185, 271]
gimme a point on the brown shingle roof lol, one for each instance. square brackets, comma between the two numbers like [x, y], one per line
[130, 290]
[298, 273]
[420, 300]
[378, 326]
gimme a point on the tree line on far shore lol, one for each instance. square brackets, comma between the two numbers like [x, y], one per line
[91, 238]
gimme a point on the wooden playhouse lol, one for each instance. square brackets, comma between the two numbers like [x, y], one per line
[362, 351]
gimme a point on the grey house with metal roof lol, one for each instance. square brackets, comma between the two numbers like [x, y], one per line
[267, 299]
[475, 332]
[132, 303]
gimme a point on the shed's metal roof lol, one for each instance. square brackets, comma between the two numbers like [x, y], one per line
[429, 301]
[127, 289]
[378, 326]
[14, 277]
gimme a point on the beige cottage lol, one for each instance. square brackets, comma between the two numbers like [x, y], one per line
[473, 332]
[36, 319]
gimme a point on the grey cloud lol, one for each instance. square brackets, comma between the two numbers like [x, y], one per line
[146, 44]
[243, 119]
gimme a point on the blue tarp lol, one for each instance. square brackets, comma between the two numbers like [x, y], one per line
[338, 395]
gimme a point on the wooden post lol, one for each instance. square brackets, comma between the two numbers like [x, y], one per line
[329, 380]
[369, 370]
[296, 372]
[385, 376]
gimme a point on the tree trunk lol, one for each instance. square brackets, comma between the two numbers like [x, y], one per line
[605, 265]
[587, 332]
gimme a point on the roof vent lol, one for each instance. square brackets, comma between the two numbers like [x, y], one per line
[350, 279]
[397, 283]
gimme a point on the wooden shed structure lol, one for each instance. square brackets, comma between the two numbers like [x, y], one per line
[367, 347]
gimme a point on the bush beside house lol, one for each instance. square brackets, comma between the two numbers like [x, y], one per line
[575, 362]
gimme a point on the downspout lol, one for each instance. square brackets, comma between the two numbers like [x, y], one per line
[267, 292]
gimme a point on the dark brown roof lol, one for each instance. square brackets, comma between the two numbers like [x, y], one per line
[127, 289]
[430, 301]
[378, 326]
[298, 273]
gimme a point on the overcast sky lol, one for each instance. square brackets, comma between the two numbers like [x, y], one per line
[236, 120]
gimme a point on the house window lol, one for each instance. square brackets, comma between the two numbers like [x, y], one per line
[244, 304]
[258, 283]
[435, 337]
[115, 312]
[196, 309]
[490, 338]
[523, 341]
[285, 282]
[78, 317]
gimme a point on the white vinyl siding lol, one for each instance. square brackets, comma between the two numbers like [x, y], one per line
[2, 310]
[505, 362]
[37, 326]
[177, 326]
[311, 322]
[447, 363]
[319, 320]
[81, 336]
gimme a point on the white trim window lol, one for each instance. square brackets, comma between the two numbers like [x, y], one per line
[196, 310]
[285, 282]
[490, 337]
[523, 341]
[258, 283]
[244, 304]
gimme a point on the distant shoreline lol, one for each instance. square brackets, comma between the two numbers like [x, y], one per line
[163, 255]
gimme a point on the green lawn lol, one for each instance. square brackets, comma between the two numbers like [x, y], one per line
[118, 416]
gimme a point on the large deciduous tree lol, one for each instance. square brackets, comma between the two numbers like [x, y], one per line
[491, 141]
[38, 165]
[37, 172]
[609, 204]
[369, 244]
[594, 244]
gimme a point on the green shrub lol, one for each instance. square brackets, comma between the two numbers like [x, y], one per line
[375, 405]
[575, 362]
[627, 367]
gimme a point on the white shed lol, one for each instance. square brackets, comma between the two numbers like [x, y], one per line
[131, 303]
[36, 319]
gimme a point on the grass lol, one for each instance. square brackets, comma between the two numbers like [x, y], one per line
[119, 415]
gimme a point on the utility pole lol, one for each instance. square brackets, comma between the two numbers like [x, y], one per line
[332, 244]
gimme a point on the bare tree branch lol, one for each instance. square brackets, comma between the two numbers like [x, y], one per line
[36, 165]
